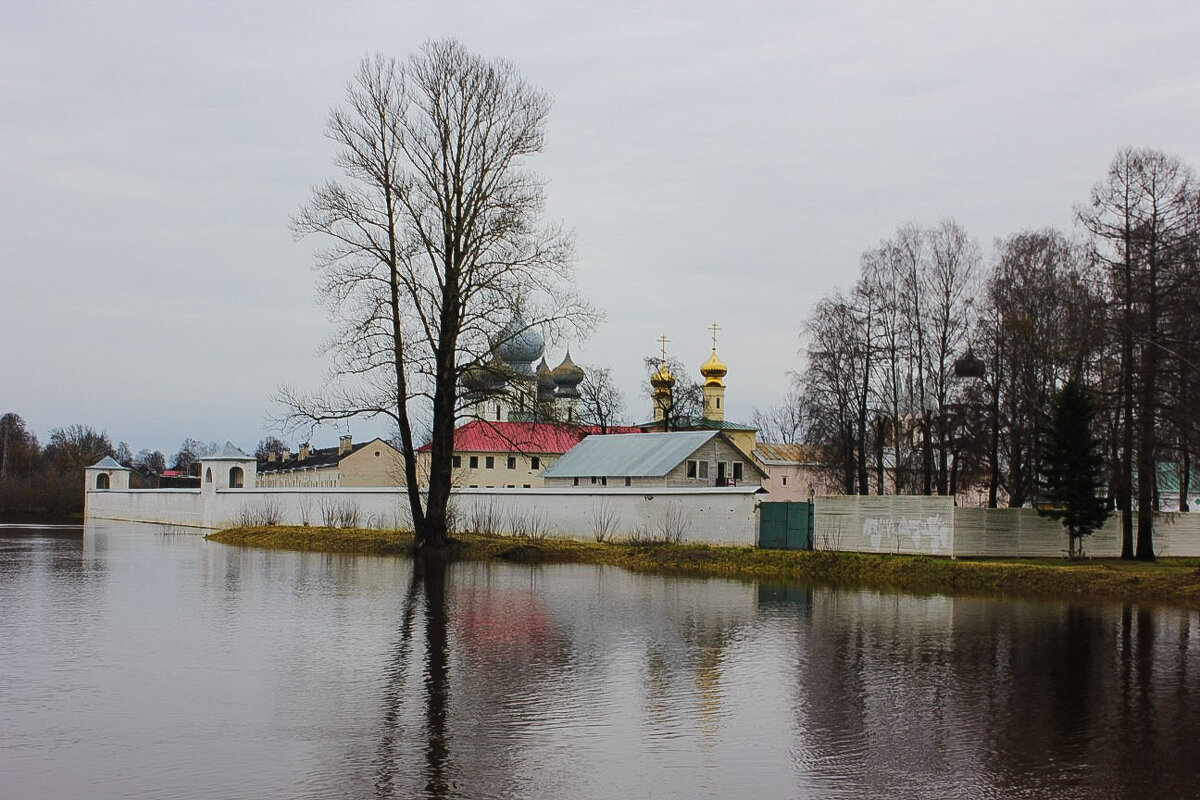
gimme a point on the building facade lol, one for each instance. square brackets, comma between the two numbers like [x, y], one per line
[684, 459]
[373, 463]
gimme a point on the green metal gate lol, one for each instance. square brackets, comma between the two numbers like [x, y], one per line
[785, 526]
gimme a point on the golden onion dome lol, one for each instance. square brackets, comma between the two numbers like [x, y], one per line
[568, 373]
[545, 377]
[662, 379]
[713, 370]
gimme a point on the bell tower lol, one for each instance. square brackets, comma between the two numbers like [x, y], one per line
[713, 371]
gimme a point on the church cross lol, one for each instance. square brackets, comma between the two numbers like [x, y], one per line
[714, 328]
[663, 341]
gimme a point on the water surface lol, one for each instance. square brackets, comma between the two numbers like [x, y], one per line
[137, 661]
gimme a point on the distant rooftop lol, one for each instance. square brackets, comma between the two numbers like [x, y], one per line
[549, 438]
[228, 452]
[634, 455]
[108, 462]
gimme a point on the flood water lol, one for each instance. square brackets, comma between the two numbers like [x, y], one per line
[139, 662]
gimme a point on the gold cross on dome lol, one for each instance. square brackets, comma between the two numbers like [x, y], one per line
[663, 341]
[714, 328]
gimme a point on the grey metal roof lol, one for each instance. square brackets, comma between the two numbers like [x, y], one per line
[108, 462]
[229, 452]
[635, 455]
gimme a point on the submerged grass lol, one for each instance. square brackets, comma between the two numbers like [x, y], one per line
[1167, 581]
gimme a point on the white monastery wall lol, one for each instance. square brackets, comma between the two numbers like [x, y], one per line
[728, 516]
[712, 516]
[166, 506]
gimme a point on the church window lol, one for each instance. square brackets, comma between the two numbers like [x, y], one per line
[489, 462]
[785, 480]
[208, 475]
[474, 462]
[535, 463]
[718, 401]
[102, 481]
[497, 412]
[512, 462]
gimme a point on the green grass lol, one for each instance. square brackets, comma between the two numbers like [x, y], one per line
[1167, 581]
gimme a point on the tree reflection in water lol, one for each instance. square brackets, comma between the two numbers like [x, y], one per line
[426, 591]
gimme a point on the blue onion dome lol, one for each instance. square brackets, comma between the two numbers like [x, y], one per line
[568, 374]
[520, 345]
[545, 381]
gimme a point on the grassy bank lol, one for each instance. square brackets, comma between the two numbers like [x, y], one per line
[1167, 581]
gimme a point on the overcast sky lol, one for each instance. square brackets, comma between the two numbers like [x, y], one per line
[722, 162]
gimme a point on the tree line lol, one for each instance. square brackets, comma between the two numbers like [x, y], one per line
[37, 480]
[936, 372]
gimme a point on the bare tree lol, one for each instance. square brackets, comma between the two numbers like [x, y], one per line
[72, 449]
[18, 447]
[151, 461]
[1144, 228]
[190, 452]
[787, 422]
[1040, 326]
[832, 381]
[600, 401]
[268, 445]
[684, 399]
[433, 245]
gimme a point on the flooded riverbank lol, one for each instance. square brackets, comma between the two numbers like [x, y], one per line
[139, 664]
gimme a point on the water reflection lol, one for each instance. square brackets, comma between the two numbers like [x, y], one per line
[138, 664]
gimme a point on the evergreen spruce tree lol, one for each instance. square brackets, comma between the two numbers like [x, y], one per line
[1073, 467]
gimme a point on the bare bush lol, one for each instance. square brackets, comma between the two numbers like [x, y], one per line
[675, 524]
[640, 534]
[305, 511]
[485, 518]
[528, 525]
[605, 520]
[339, 514]
[267, 512]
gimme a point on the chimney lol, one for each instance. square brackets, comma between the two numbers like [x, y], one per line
[304, 451]
[271, 456]
[286, 454]
[345, 445]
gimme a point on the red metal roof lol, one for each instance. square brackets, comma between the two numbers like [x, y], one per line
[482, 436]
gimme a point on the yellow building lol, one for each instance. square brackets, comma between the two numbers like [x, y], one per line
[373, 463]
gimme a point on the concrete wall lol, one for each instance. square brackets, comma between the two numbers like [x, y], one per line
[887, 524]
[934, 526]
[714, 515]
